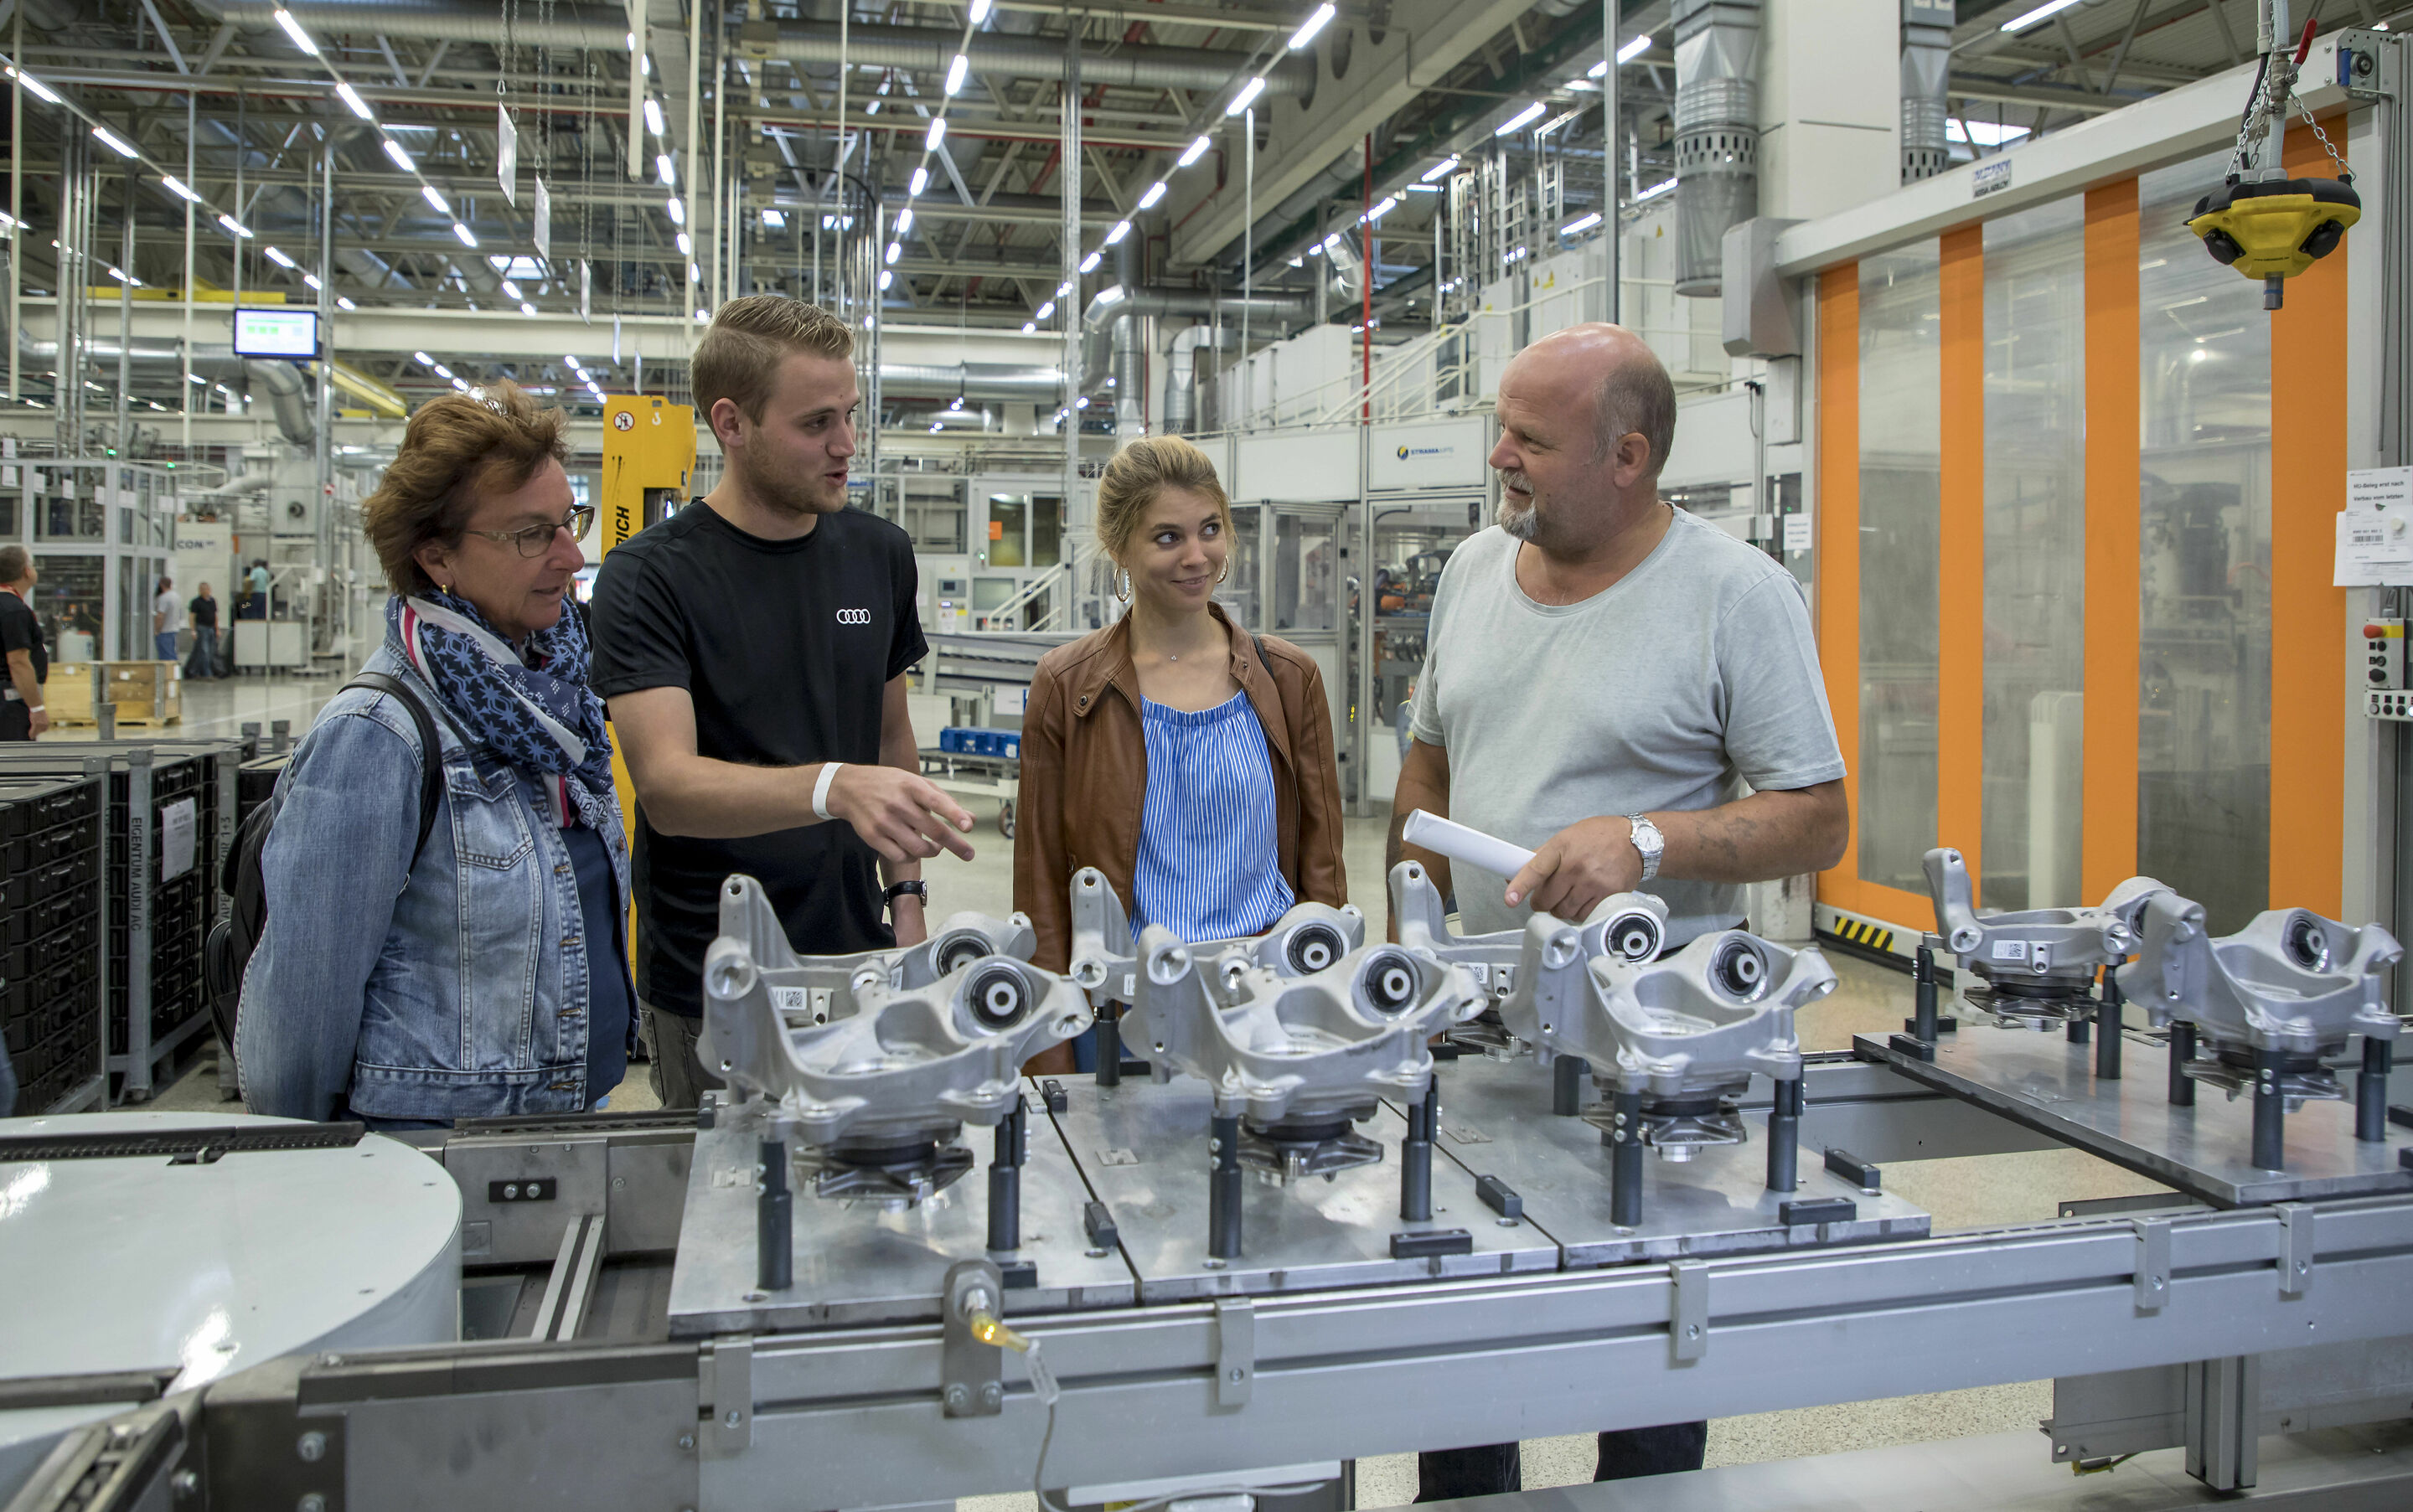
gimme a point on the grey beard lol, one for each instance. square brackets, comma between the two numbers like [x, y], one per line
[1524, 524]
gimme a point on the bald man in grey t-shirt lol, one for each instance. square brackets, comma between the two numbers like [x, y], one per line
[1603, 677]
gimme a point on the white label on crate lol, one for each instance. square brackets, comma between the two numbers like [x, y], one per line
[2010, 950]
[176, 840]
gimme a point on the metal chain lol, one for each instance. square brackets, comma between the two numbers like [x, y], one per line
[2323, 138]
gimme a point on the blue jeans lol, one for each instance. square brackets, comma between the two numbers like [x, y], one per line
[164, 644]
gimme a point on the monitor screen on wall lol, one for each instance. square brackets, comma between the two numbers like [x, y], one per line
[276, 333]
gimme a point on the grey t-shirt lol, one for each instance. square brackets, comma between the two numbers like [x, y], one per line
[1693, 674]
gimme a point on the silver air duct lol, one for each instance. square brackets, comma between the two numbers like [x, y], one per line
[560, 23]
[1717, 134]
[1181, 375]
[1130, 366]
[930, 49]
[1926, 72]
[973, 380]
[1111, 306]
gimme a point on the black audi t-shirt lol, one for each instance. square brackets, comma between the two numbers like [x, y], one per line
[22, 630]
[786, 648]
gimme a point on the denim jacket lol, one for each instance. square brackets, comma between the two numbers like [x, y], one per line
[455, 988]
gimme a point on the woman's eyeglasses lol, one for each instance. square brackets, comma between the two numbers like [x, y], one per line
[533, 541]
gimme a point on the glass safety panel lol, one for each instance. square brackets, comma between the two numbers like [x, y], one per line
[1901, 452]
[2036, 557]
[2203, 720]
[69, 600]
[1009, 519]
[1307, 574]
[1046, 530]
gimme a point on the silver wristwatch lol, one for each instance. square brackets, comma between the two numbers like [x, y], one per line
[1648, 840]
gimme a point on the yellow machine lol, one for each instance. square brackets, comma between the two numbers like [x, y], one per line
[648, 456]
[2262, 225]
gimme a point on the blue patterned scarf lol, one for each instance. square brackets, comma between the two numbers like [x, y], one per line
[541, 718]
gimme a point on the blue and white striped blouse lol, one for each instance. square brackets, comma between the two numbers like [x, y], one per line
[1209, 864]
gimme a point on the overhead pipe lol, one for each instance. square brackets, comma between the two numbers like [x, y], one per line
[1717, 134]
[1110, 308]
[1130, 366]
[1181, 375]
[973, 380]
[560, 23]
[1926, 75]
[931, 50]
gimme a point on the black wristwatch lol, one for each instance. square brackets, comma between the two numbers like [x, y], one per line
[895, 890]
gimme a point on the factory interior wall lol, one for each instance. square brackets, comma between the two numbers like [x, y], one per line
[2308, 454]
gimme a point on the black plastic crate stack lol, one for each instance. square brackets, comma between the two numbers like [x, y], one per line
[154, 927]
[49, 928]
[255, 780]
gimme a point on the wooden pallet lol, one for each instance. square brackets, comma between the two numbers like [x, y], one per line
[124, 722]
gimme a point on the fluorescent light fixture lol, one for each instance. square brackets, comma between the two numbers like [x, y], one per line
[654, 117]
[436, 201]
[276, 257]
[1517, 122]
[42, 90]
[1090, 263]
[510, 292]
[1191, 154]
[1655, 191]
[1389, 203]
[1331, 241]
[459, 385]
[956, 73]
[921, 181]
[896, 249]
[871, 106]
[904, 221]
[441, 371]
[1083, 402]
[312, 279]
[1247, 97]
[687, 249]
[119, 273]
[342, 301]
[423, 359]
[1317, 250]
[2049, 7]
[1044, 312]
[1420, 188]
[1028, 327]
[176, 186]
[1299, 262]
[937, 133]
[233, 225]
[1111, 296]
[1121, 229]
[1441, 170]
[527, 309]
[1155, 192]
[665, 169]
[111, 140]
[887, 277]
[774, 220]
[352, 100]
[694, 274]
[1581, 223]
[1635, 49]
[462, 233]
[980, 11]
[676, 209]
[1313, 24]
[572, 363]
[401, 159]
[293, 29]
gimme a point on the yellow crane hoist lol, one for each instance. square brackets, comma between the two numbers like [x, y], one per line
[2261, 223]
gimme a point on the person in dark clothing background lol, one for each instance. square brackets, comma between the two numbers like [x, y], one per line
[203, 662]
[22, 714]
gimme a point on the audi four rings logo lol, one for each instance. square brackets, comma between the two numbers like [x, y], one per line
[854, 616]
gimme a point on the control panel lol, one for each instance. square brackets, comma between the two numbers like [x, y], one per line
[2383, 649]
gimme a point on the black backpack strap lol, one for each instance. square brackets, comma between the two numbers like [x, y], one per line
[431, 751]
[1261, 653]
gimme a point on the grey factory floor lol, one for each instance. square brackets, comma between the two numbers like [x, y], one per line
[1960, 1194]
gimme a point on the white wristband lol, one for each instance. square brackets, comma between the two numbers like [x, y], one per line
[821, 787]
[35, 708]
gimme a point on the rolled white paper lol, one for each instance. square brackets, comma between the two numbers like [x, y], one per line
[1454, 841]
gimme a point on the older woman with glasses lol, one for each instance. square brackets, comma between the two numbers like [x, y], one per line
[417, 969]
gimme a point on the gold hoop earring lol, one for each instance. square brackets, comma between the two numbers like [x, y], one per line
[1123, 595]
[1227, 572]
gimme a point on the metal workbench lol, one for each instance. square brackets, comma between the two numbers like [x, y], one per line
[645, 1370]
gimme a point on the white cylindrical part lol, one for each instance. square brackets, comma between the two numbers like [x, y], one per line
[1447, 838]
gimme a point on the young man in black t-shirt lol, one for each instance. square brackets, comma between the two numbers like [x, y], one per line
[752, 649]
[28, 662]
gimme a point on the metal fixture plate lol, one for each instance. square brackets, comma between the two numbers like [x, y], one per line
[1717, 1203]
[2045, 1082]
[1310, 1234]
[858, 1262]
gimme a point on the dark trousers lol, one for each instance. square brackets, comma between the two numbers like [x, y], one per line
[679, 1077]
[1490, 1469]
[16, 720]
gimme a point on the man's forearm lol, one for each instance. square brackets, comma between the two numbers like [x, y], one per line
[1765, 835]
[898, 749]
[1412, 795]
[20, 675]
[714, 800]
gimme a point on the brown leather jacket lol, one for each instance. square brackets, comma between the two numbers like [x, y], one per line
[1085, 775]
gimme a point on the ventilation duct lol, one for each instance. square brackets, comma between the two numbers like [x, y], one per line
[1130, 367]
[1926, 72]
[1112, 306]
[973, 380]
[931, 49]
[1717, 134]
[557, 24]
[1181, 375]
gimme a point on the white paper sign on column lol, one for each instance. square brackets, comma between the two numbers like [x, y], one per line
[176, 840]
[2374, 547]
[2369, 490]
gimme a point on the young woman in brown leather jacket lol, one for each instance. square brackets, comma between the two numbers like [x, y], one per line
[1188, 761]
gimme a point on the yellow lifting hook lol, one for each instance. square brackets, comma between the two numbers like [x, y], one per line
[2270, 227]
